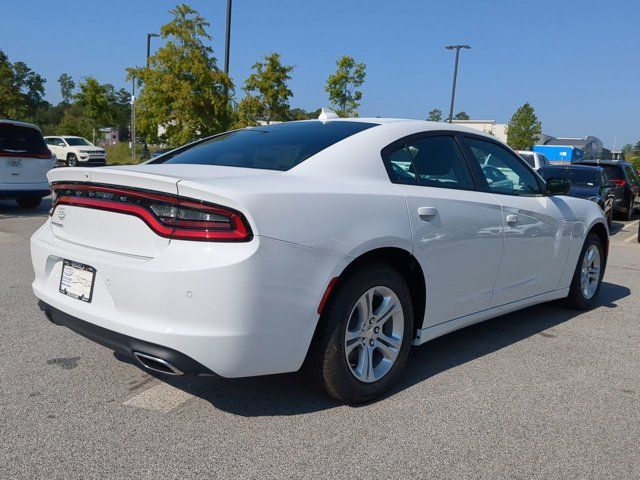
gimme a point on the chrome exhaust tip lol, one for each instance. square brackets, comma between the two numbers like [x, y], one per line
[156, 364]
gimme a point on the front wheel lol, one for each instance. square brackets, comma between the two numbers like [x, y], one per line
[72, 160]
[29, 202]
[587, 279]
[364, 335]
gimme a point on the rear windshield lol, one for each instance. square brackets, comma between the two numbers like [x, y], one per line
[279, 146]
[527, 157]
[576, 176]
[613, 172]
[16, 139]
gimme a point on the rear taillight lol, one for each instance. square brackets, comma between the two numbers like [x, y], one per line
[167, 215]
[618, 183]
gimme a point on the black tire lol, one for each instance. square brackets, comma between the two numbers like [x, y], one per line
[610, 217]
[576, 299]
[629, 213]
[327, 356]
[29, 202]
[72, 160]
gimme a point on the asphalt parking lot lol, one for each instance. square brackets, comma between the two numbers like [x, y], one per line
[542, 393]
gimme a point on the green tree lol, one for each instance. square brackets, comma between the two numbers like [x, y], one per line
[627, 151]
[524, 128]
[11, 101]
[461, 116]
[21, 90]
[267, 86]
[67, 85]
[94, 102]
[182, 89]
[302, 114]
[249, 112]
[435, 115]
[343, 86]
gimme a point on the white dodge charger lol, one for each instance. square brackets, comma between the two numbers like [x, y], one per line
[334, 243]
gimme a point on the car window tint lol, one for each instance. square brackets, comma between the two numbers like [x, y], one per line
[433, 161]
[279, 146]
[614, 172]
[504, 172]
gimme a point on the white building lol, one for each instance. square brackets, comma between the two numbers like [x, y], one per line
[498, 130]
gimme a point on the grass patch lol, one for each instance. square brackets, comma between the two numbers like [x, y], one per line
[120, 154]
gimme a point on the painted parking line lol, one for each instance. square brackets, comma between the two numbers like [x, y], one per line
[632, 238]
[161, 398]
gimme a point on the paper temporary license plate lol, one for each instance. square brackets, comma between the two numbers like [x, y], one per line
[77, 280]
[14, 162]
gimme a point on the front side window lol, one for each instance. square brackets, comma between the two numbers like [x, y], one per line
[78, 142]
[433, 161]
[504, 172]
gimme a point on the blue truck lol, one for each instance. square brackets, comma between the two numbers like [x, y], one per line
[560, 154]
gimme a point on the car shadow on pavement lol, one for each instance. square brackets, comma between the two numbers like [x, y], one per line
[296, 393]
[10, 209]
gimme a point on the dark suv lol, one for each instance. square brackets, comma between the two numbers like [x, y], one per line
[625, 182]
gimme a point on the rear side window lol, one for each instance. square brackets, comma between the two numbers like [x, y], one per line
[273, 147]
[433, 161]
[16, 139]
[527, 157]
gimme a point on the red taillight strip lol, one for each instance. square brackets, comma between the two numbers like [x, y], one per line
[240, 231]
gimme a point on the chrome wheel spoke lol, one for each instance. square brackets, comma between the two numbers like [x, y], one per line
[388, 352]
[373, 336]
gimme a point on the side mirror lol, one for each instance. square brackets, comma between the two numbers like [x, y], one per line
[558, 186]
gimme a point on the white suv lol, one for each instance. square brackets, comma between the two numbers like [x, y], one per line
[534, 159]
[24, 163]
[75, 151]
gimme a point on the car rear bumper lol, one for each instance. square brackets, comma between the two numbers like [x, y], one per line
[128, 346]
[21, 190]
[237, 310]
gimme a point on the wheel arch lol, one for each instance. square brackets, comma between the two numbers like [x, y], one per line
[401, 260]
[601, 231]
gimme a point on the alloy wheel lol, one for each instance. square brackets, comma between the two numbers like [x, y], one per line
[374, 333]
[590, 273]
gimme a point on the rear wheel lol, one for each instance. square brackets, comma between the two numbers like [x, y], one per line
[364, 335]
[72, 160]
[587, 279]
[29, 202]
[610, 217]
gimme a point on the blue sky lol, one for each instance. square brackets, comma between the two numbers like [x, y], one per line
[577, 62]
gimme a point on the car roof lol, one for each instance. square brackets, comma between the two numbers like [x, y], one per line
[604, 162]
[18, 123]
[573, 166]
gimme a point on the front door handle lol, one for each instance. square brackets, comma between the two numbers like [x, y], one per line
[511, 219]
[427, 212]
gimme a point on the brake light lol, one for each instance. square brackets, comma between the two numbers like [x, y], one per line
[167, 215]
[619, 183]
[45, 155]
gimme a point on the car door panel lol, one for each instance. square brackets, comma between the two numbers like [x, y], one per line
[536, 245]
[537, 228]
[456, 231]
[458, 248]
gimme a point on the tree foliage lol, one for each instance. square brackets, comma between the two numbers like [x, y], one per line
[461, 116]
[435, 115]
[343, 86]
[21, 90]
[182, 88]
[67, 86]
[524, 128]
[267, 91]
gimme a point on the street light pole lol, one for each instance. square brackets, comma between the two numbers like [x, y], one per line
[455, 75]
[149, 35]
[145, 148]
[226, 46]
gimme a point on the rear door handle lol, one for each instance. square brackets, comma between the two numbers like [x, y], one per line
[427, 212]
[511, 219]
